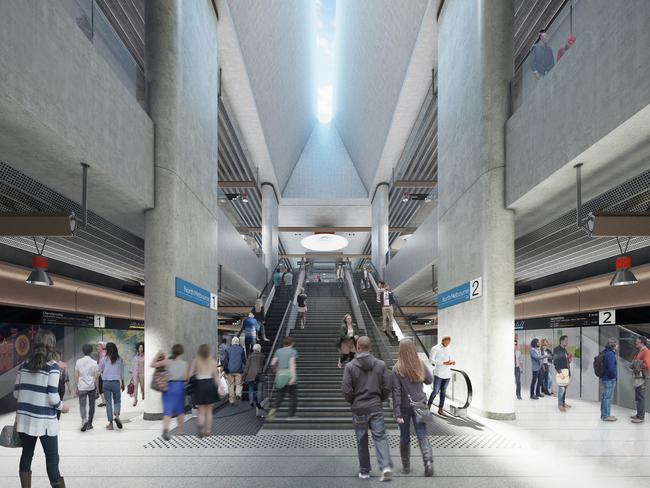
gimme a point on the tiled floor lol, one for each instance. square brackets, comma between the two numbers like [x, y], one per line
[574, 448]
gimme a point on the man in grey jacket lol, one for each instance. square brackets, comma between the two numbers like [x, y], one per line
[366, 385]
[541, 56]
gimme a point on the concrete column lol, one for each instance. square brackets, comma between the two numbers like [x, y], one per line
[379, 233]
[181, 229]
[270, 237]
[476, 231]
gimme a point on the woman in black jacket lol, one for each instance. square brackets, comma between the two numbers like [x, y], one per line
[348, 335]
[258, 312]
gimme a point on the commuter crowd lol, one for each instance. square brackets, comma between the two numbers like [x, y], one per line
[605, 366]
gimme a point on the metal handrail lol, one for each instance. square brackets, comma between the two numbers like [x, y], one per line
[378, 332]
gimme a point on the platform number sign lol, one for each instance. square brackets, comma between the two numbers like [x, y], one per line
[607, 317]
[475, 288]
[213, 301]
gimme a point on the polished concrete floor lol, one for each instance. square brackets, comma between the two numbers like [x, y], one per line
[542, 447]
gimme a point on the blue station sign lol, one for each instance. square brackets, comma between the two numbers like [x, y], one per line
[460, 294]
[195, 294]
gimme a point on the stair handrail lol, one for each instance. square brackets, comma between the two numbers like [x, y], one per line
[378, 333]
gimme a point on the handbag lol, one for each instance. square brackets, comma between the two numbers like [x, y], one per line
[160, 379]
[222, 390]
[563, 378]
[9, 437]
[131, 388]
[420, 409]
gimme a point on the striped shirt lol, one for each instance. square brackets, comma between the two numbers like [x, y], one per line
[38, 398]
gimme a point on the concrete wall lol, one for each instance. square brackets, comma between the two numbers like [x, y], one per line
[61, 103]
[236, 255]
[419, 252]
[592, 107]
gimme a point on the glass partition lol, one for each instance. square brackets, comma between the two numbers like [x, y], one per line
[90, 19]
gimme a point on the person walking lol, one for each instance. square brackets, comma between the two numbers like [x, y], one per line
[101, 354]
[251, 328]
[641, 372]
[608, 380]
[339, 274]
[387, 300]
[204, 370]
[112, 370]
[536, 364]
[86, 372]
[137, 372]
[287, 279]
[253, 368]
[442, 361]
[286, 379]
[233, 367]
[366, 385]
[36, 391]
[173, 399]
[409, 374]
[348, 335]
[519, 366]
[562, 363]
[301, 301]
[260, 316]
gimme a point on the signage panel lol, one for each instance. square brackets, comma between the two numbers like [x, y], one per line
[190, 292]
[462, 293]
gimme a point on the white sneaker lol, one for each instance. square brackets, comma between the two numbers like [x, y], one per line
[386, 474]
[364, 476]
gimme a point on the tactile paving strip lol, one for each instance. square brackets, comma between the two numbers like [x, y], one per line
[324, 441]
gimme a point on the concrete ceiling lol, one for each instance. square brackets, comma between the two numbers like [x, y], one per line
[276, 38]
[376, 42]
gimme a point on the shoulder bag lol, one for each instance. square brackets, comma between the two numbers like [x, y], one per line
[160, 379]
[420, 409]
[563, 378]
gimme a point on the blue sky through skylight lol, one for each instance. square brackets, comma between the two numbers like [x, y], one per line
[325, 59]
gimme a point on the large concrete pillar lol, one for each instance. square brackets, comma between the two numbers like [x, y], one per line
[181, 229]
[270, 237]
[379, 233]
[476, 231]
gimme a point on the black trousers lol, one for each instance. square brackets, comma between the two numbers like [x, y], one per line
[50, 448]
[518, 380]
[292, 390]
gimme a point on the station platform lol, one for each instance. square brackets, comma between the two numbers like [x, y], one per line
[542, 448]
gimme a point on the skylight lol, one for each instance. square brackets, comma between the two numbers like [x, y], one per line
[324, 57]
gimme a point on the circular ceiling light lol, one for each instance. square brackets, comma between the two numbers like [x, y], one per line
[406, 237]
[324, 242]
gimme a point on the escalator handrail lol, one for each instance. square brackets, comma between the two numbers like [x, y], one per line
[378, 333]
[465, 376]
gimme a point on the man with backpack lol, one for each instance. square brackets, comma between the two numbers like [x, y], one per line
[605, 369]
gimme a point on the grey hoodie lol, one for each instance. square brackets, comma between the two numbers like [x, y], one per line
[366, 384]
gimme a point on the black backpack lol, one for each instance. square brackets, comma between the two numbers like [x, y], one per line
[599, 364]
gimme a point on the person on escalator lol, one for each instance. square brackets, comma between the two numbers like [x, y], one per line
[366, 385]
[287, 278]
[409, 374]
[365, 278]
[277, 280]
[260, 316]
[301, 301]
[348, 335]
[387, 300]
[251, 328]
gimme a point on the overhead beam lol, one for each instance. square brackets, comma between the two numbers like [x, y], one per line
[621, 225]
[35, 225]
[244, 309]
[325, 229]
[237, 184]
[325, 255]
[416, 183]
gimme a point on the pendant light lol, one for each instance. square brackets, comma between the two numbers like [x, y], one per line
[623, 275]
[39, 275]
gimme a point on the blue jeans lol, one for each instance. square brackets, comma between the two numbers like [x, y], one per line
[375, 422]
[50, 448]
[606, 397]
[113, 396]
[561, 395]
[405, 428]
[439, 386]
[251, 392]
[639, 399]
[249, 342]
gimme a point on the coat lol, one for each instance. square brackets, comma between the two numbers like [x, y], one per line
[346, 344]
[254, 366]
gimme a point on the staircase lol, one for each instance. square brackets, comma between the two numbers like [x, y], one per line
[320, 401]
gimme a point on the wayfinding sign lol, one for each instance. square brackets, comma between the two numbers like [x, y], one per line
[195, 294]
[462, 293]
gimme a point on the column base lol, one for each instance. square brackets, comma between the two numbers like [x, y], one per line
[152, 416]
[496, 415]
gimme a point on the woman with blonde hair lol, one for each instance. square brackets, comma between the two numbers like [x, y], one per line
[258, 313]
[204, 369]
[409, 374]
[348, 335]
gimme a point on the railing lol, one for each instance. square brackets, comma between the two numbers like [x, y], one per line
[96, 27]
[378, 333]
[461, 391]
[281, 333]
[562, 32]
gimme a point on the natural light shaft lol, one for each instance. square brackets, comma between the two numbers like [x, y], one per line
[325, 20]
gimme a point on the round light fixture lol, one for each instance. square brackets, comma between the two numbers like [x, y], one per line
[324, 242]
[406, 237]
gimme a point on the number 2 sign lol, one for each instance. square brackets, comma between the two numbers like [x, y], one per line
[475, 288]
[606, 317]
